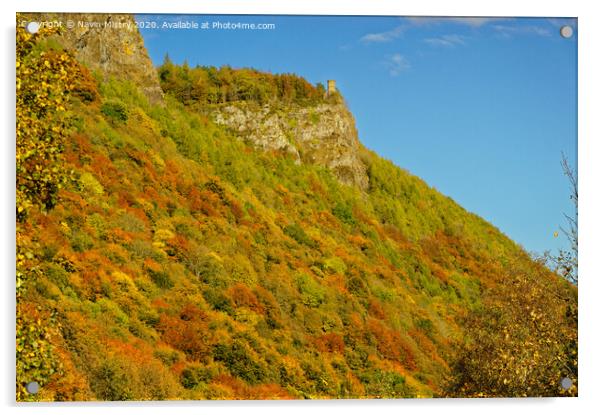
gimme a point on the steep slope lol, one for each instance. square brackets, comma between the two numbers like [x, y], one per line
[178, 260]
[282, 113]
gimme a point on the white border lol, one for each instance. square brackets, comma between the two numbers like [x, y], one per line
[590, 175]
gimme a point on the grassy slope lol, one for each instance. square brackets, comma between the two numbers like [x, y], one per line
[184, 264]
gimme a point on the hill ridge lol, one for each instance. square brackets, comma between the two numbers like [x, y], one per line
[169, 259]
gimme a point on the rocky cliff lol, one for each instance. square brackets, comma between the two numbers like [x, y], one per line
[109, 43]
[323, 134]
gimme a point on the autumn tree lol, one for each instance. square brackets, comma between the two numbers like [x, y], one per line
[46, 78]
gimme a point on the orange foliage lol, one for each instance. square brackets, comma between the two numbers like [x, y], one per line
[91, 283]
[390, 344]
[281, 189]
[152, 265]
[329, 342]
[242, 296]
[187, 332]
[237, 210]
[240, 390]
[426, 345]
[375, 309]
[104, 170]
[338, 282]
[159, 303]
[85, 86]
[395, 234]
[244, 242]
[179, 245]
[150, 193]
[204, 201]
[171, 173]
[75, 200]
[269, 391]
[316, 187]
[137, 351]
[343, 254]
[125, 198]
[79, 145]
[354, 328]
[359, 241]
[139, 213]
[119, 235]
[327, 219]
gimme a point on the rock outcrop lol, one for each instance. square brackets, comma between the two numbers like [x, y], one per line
[109, 43]
[323, 134]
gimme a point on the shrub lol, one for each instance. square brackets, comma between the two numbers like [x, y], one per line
[385, 384]
[168, 355]
[58, 276]
[218, 301]
[206, 267]
[237, 358]
[90, 185]
[118, 378]
[330, 342]
[357, 286]
[187, 332]
[195, 374]
[244, 297]
[81, 241]
[130, 223]
[112, 380]
[114, 111]
[426, 325]
[344, 213]
[160, 277]
[298, 234]
[312, 293]
[335, 265]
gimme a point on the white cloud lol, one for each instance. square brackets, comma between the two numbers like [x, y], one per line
[466, 21]
[446, 40]
[384, 36]
[507, 31]
[397, 64]
[409, 22]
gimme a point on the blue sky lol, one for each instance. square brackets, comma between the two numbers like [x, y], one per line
[480, 108]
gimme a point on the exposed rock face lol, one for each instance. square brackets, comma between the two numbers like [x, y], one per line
[258, 126]
[324, 135]
[111, 44]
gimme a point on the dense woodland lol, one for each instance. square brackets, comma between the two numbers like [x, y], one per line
[159, 257]
[211, 85]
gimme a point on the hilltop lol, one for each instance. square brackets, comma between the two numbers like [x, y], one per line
[221, 233]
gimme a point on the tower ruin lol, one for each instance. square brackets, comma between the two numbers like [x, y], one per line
[332, 87]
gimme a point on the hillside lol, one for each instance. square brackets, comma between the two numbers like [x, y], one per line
[229, 237]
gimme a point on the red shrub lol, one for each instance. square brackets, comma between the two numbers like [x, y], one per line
[237, 210]
[390, 344]
[242, 296]
[375, 309]
[187, 332]
[329, 342]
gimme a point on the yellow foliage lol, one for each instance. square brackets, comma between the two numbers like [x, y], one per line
[89, 184]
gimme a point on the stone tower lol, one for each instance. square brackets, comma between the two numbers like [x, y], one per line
[332, 87]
